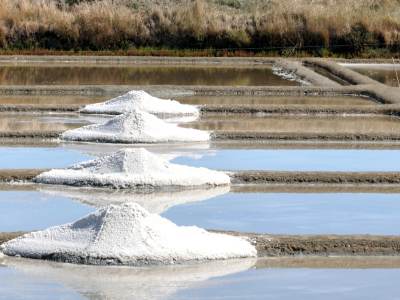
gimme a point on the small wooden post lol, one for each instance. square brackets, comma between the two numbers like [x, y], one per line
[396, 72]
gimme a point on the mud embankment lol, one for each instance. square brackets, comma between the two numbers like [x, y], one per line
[304, 245]
[62, 108]
[7, 175]
[339, 71]
[45, 134]
[297, 72]
[294, 177]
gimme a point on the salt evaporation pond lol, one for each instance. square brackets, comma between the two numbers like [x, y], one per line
[95, 75]
[297, 123]
[214, 158]
[264, 278]
[383, 73]
[195, 100]
[43, 122]
[265, 213]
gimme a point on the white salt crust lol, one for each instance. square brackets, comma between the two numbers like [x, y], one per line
[154, 201]
[135, 127]
[113, 282]
[133, 168]
[133, 100]
[127, 234]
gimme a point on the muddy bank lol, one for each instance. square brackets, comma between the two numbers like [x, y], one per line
[304, 136]
[302, 109]
[312, 189]
[340, 71]
[322, 245]
[20, 174]
[301, 74]
[46, 134]
[304, 245]
[294, 177]
[4, 108]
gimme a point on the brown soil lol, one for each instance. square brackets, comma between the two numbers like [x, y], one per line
[7, 236]
[20, 174]
[303, 136]
[302, 109]
[50, 134]
[39, 107]
[284, 177]
[322, 245]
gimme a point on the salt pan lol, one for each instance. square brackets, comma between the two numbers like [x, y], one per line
[133, 100]
[133, 168]
[127, 234]
[136, 127]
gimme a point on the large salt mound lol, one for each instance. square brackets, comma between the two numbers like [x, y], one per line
[154, 201]
[136, 127]
[140, 100]
[127, 234]
[133, 168]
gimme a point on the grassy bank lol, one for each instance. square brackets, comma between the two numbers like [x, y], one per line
[327, 28]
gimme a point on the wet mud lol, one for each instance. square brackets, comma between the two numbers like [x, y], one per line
[7, 175]
[284, 177]
[26, 108]
[45, 134]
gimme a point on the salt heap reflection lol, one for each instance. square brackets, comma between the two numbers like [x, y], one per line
[100, 282]
[154, 201]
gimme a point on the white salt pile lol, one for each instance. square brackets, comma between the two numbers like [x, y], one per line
[154, 201]
[133, 168]
[133, 100]
[127, 234]
[136, 127]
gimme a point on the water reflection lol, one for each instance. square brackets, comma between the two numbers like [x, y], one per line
[383, 73]
[317, 123]
[52, 99]
[154, 201]
[108, 282]
[28, 75]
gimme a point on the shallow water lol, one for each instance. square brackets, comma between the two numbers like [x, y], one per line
[247, 278]
[26, 75]
[264, 213]
[297, 123]
[197, 100]
[214, 158]
[232, 279]
[383, 73]
[38, 122]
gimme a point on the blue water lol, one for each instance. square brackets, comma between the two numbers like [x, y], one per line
[298, 160]
[25, 211]
[273, 213]
[293, 213]
[38, 158]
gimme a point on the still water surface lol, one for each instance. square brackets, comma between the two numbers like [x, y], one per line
[27, 75]
[383, 73]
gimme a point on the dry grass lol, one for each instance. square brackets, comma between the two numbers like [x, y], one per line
[200, 24]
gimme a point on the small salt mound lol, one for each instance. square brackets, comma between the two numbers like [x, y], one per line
[137, 127]
[140, 100]
[127, 234]
[133, 168]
